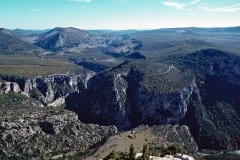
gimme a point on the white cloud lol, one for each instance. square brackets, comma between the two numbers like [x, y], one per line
[195, 2]
[178, 5]
[174, 5]
[226, 9]
[35, 10]
[86, 1]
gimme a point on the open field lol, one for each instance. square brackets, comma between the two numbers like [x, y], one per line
[31, 66]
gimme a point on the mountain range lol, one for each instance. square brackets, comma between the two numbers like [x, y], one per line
[119, 80]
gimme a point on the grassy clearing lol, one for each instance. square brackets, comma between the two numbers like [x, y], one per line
[31, 66]
[32, 70]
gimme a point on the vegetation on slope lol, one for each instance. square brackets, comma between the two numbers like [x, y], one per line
[32, 66]
[15, 101]
[147, 151]
[157, 78]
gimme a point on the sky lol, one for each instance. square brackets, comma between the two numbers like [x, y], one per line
[118, 14]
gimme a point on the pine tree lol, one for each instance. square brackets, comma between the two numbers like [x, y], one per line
[146, 153]
[132, 152]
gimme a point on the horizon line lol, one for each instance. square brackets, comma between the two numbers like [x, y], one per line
[123, 29]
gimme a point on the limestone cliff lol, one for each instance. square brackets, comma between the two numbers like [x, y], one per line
[51, 90]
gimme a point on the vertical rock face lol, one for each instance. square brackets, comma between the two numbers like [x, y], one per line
[120, 99]
[50, 90]
[6, 87]
[215, 122]
[120, 86]
[166, 109]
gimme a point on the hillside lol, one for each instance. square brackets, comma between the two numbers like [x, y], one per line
[59, 38]
[157, 137]
[10, 44]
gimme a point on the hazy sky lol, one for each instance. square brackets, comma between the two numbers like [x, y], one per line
[118, 14]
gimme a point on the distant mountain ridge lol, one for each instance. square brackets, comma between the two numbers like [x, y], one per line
[10, 43]
[58, 38]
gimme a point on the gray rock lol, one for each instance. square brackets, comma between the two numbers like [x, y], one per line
[43, 132]
[51, 90]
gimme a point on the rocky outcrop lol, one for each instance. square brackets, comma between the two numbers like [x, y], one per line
[121, 99]
[169, 108]
[41, 133]
[6, 87]
[50, 90]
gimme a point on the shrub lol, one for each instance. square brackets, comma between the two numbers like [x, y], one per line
[132, 152]
[112, 156]
[174, 149]
[146, 152]
[35, 93]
